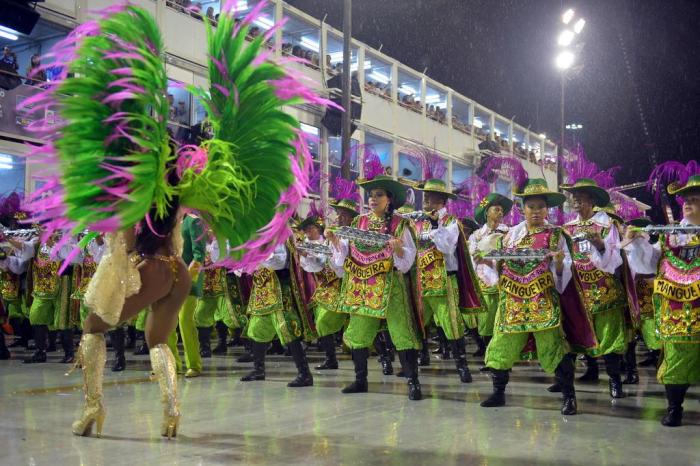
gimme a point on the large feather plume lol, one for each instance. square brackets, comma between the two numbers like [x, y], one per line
[670, 172]
[259, 162]
[433, 166]
[506, 166]
[107, 155]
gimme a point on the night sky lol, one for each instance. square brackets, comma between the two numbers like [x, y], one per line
[501, 54]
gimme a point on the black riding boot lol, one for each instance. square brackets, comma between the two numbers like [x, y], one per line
[632, 376]
[444, 345]
[384, 355]
[276, 347]
[304, 377]
[142, 349]
[498, 397]
[612, 367]
[130, 337]
[41, 333]
[480, 343]
[328, 346]
[222, 335]
[675, 394]
[410, 368]
[564, 374]
[386, 338]
[424, 359]
[258, 373]
[53, 336]
[68, 346]
[236, 340]
[4, 352]
[204, 335]
[460, 353]
[591, 374]
[247, 355]
[359, 360]
[651, 360]
[23, 330]
[117, 336]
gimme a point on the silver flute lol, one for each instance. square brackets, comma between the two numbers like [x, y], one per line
[518, 254]
[670, 229]
[25, 233]
[369, 238]
[314, 249]
[416, 215]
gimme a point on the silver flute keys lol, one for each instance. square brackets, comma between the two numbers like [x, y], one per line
[518, 254]
[369, 238]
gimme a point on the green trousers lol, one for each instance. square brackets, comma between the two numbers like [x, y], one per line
[648, 331]
[487, 318]
[43, 311]
[190, 337]
[402, 327]
[16, 308]
[610, 330]
[286, 325]
[445, 311]
[205, 311]
[505, 348]
[680, 363]
[328, 322]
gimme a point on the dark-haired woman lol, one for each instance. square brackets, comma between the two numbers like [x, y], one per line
[374, 287]
[155, 276]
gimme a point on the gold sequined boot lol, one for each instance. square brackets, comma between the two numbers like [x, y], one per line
[163, 364]
[92, 356]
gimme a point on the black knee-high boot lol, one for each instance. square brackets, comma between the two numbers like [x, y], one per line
[304, 377]
[22, 330]
[41, 333]
[410, 369]
[141, 349]
[53, 336]
[564, 374]
[424, 359]
[68, 346]
[498, 397]
[480, 343]
[613, 364]
[384, 354]
[204, 336]
[117, 337]
[632, 376]
[459, 351]
[591, 374]
[4, 352]
[675, 394]
[247, 355]
[258, 373]
[327, 343]
[130, 337]
[651, 359]
[221, 334]
[359, 360]
[236, 340]
[386, 337]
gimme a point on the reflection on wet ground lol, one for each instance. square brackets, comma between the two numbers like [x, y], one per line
[229, 422]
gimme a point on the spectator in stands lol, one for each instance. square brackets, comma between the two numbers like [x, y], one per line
[35, 74]
[296, 51]
[210, 13]
[254, 31]
[315, 59]
[9, 58]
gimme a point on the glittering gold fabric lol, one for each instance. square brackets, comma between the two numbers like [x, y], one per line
[115, 279]
[9, 285]
[266, 295]
[45, 274]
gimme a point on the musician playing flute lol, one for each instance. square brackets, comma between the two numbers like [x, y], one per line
[325, 297]
[529, 308]
[675, 262]
[490, 213]
[374, 287]
[596, 258]
[437, 267]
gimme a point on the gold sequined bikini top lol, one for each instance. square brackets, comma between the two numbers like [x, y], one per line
[171, 260]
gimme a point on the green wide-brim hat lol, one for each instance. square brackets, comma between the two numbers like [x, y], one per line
[406, 209]
[488, 201]
[640, 222]
[693, 184]
[397, 190]
[610, 210]
[347, 204]
[600, 196]
[538, 187]
[311, 220]
[435, 185]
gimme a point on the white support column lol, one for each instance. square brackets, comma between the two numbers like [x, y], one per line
[423, 90]
[278, 15]
[361, 66]
[395, 82]
[492, 126]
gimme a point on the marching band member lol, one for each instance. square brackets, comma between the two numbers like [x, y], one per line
[675, 262]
